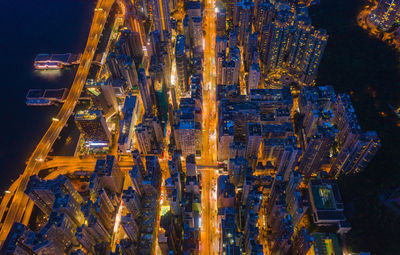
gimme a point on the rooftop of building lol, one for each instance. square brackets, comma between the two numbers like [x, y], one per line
[254, 128]
[277, 128]
[317, 95]
[283, 95]
[225, 187]
[328, 243]
[180, 45]
[350, 112]
[276, 141]
[326, 194]
[327, 129]
[90, 114]
[194, 5]
[104, 167]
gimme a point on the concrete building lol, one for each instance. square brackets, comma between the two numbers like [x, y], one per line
[130, 113]
[102, 93]
[181, 65]
[93, 126]
[109, 174]
[327, 205]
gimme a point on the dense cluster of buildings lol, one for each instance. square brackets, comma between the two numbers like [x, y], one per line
[298, 153]
[271, 37]
[279, 147]
[385, 15]
[86, 221]
[181, 224]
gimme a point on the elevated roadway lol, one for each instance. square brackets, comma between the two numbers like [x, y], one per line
[19, 202]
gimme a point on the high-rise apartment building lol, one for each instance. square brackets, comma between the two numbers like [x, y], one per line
[355, 148]
[132, 202]
[144, 90]
[109, 173]
[181, 65]
[220, 23]
[253, 139]
[187, 130]
[15, 241]
[130, 113]
[149, 135]
[102, 93]
[242, 18]
[93, 126]
[197, 26]
[129, 44]
[130, 226]
[264, 14]
[250, 49]
[278, 38]
[43, 192]
[313, 55]
[317, 150]
[254, 77]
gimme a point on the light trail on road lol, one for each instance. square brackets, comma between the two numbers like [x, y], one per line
[19, 204]
[209, 237]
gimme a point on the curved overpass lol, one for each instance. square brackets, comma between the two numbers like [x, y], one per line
[20, 200]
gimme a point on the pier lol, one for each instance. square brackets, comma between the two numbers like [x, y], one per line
[44, 97]
[56, 61]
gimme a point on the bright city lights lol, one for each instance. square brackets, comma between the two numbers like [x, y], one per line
[200, 128]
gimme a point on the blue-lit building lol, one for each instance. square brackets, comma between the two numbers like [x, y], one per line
[130, 113]
[355, 148]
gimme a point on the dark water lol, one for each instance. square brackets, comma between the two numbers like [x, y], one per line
[369, 69]
[28, 28]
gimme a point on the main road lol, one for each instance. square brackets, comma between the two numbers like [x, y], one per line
[209, 238]
[20, 200]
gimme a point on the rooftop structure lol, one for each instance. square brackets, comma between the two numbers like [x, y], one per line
[327, 205]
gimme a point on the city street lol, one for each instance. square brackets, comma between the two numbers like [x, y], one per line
[209, 239]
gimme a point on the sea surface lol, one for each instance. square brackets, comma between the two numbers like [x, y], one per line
[28, 28]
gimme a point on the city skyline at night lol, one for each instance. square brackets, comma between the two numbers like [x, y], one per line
[210, 127]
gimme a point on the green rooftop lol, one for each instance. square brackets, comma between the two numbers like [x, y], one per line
[326, 244]
[323, 197]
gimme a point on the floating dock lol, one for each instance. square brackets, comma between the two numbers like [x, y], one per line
[56, 61]
[44, 97]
